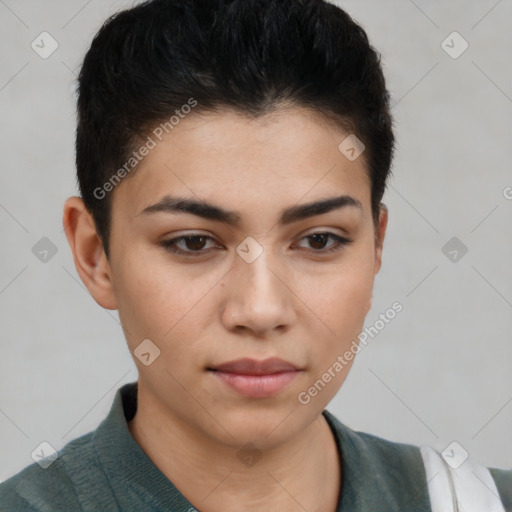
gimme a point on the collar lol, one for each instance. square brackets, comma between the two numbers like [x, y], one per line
[377, 474]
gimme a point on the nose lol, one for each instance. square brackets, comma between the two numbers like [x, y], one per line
[258, 298]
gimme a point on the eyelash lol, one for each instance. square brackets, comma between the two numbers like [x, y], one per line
[171, 245]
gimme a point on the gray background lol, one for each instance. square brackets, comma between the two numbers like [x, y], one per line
[439, 372]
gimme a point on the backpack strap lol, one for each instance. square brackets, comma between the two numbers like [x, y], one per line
[469, 488]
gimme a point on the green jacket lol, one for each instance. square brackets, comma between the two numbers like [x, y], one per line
[106, 470]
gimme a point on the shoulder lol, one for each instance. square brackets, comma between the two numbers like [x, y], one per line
[398, 466]
[54, 488]
[503, 480]
[382, 452]
[380, 474]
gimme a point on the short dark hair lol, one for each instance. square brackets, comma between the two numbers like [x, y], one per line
[249, 55]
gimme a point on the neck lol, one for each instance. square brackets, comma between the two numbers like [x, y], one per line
[302, 474]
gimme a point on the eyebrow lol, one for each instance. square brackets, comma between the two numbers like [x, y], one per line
[209, 211]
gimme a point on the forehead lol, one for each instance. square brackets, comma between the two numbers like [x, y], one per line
[246, 163]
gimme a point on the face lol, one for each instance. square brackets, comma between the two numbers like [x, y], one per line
[257, 275]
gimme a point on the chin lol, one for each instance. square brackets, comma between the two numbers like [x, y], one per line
[264, 427]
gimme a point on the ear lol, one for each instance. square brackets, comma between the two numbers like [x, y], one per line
[379, 235]
[90, 260]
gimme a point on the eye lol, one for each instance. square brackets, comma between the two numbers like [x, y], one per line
[194, 244]
[319, 239]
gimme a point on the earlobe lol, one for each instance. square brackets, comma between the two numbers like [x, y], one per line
[88, 254]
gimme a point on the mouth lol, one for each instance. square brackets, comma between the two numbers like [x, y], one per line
[254, 378]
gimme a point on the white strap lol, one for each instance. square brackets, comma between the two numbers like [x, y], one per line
[469, 488]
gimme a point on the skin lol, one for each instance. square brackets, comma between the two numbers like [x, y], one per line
[200, 311]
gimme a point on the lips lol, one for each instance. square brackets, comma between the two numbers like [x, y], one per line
[256, 379]
[254, 367]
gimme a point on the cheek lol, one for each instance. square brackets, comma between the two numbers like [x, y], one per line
[159, 301]
[340, 297]
[168, 303]
[338, 303]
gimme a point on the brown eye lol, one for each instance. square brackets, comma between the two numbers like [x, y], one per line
[318, 242]
[196, 245]
[192, 245]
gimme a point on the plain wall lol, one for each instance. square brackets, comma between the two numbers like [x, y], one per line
[438, 372]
